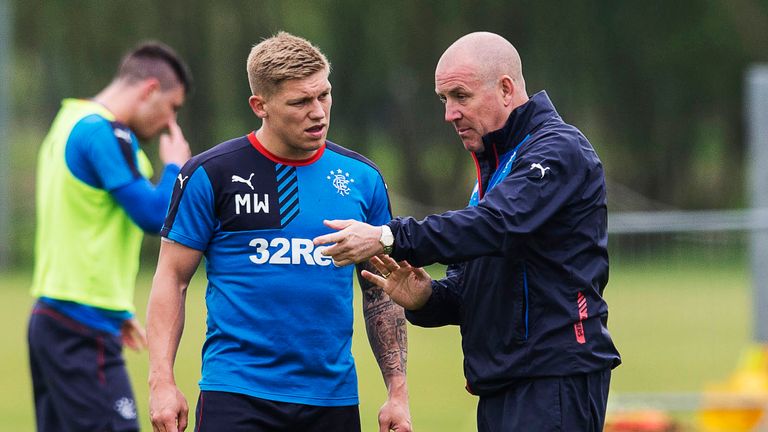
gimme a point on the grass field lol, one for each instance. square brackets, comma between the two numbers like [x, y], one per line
[678, 327]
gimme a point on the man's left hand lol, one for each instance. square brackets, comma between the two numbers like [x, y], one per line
[394, 415]
[355, 241]
[133, 335]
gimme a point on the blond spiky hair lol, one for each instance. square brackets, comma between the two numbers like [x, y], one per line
[282, 57]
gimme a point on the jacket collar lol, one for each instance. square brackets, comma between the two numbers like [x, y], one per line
[523, 120]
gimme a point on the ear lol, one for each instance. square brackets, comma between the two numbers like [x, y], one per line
[507, 89]
[258, 105]
[149, 86]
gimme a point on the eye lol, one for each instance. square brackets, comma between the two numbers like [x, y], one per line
[461, 97]
[442, 99]
[324, 96]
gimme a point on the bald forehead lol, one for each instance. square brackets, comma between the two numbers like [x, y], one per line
[487, 54]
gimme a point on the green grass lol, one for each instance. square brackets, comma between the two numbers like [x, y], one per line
[678, 327]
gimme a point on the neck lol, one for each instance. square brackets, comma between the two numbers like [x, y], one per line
[277, 147]
[519, 99]
[119, 99]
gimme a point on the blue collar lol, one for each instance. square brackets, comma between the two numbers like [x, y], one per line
[505, 166]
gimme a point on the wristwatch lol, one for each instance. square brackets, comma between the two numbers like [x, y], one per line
[387, 240]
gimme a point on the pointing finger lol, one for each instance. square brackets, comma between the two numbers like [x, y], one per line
[328, 238]
[338, 224]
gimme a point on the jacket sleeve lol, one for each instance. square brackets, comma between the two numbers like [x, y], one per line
[504, 217]
[444, 306]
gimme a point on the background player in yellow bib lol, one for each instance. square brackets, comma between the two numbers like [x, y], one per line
[94, 202]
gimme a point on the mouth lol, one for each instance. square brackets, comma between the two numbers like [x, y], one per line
[316, 131]
[462, 131]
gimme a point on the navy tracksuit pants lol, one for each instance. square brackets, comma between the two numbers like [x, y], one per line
[574, 403]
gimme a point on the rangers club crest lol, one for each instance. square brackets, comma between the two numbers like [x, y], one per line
[126, 408]
[340, 181]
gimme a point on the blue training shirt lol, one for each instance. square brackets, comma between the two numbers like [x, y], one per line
[279, 313]
[102, 154]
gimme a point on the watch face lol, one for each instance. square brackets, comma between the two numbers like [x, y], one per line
[387, 240]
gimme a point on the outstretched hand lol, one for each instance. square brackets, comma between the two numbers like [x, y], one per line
[355, 241]
[408, 286]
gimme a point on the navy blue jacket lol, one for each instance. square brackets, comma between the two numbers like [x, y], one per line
[528, 259]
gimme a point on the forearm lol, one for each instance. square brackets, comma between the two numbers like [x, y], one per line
[147, 204]
[387, 333]
[165, 323]
[434, 239]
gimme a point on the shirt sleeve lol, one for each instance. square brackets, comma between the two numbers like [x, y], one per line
[145, 203]
[191, 217]
[379, 212]
[102, 154]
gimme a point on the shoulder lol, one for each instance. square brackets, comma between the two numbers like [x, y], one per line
[101, 138]
[94, 121]
[557, 140]
[92, 125]
[352, 156]
[220, 154]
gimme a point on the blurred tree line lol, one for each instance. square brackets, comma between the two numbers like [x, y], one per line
[655, 85]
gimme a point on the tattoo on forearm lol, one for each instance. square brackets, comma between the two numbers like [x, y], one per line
[386, 327]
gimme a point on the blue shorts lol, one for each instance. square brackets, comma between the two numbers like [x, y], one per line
[78, 376]
[233, 412]
[570, 403]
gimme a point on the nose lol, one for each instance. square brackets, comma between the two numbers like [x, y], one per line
[452, 113]
[169, 119]
[318, 110]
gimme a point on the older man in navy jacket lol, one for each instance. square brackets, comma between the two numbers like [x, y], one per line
[528, 259]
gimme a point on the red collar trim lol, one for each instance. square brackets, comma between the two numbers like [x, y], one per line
[479, 177]
[277, 159]
[480, 191]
